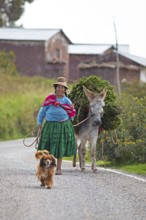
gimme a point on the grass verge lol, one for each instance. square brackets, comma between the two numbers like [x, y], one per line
[139, 169]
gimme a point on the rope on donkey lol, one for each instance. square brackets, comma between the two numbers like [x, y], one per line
[37, 137]
[81, 122]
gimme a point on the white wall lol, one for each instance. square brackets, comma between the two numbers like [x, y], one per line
[143, 75]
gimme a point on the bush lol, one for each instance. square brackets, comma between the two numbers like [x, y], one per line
[7, 63]
[136, 89]
[127, 143]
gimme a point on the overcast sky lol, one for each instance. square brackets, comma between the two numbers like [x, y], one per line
[92, 21]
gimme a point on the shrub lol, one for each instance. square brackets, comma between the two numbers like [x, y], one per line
[127, 143]
[7, 63]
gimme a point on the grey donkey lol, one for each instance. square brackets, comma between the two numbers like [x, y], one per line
[88, 130]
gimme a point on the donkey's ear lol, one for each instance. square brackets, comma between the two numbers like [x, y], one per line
[90, 95]
[103, 94]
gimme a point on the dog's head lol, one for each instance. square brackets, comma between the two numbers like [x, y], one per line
[46, 160]
[40, 153]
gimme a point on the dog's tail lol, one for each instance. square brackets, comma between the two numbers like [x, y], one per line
[40, 153]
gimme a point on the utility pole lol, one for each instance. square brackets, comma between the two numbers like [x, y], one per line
[117, 64]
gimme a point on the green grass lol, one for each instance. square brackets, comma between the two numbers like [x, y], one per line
[20, 99]
[139, 169]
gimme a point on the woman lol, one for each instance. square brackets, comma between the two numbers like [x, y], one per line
[57, 134]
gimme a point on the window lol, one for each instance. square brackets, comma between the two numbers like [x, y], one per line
[58, 55]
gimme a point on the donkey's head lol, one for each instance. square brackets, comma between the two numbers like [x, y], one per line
[96, 104]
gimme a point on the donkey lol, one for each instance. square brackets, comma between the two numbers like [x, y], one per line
[88, 129]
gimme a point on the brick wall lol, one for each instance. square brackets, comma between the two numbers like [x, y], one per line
[109, 73]
[74, 61]
[29, 56]
[32, 59]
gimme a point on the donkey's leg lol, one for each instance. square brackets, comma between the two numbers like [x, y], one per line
[74, 159]
[79, 155]
[82, 154]
[75, 155]
[93, 142]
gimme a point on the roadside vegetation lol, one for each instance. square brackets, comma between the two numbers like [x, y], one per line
[21, 98]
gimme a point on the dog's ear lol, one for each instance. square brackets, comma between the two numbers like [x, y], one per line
[42, 162]
[45, 152]
[53, 163]
[38, 154]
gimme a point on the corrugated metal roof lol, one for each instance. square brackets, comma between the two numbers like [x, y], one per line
[94, 48]
[27, 34]
[137, 59]
[45, 34]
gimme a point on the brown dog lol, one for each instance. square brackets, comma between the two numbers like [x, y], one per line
[46, 168]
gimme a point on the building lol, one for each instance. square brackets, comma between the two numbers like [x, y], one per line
[131, 68]
[50, 53]
[80, 53]
[38, 52]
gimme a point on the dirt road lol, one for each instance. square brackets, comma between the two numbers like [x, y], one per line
[75, 195]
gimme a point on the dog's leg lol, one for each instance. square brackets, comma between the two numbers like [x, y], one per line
[42, 182]
[49, 182]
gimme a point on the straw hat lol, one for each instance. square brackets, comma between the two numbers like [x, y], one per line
[61, 81]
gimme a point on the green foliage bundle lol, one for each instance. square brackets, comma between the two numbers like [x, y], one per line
[111, 117]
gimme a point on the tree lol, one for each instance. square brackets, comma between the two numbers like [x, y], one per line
[11, 11]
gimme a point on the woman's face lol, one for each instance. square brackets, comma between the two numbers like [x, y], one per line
[60, 90]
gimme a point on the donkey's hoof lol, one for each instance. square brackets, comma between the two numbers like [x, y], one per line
[74, 164]
[83, 169]
[95, 170]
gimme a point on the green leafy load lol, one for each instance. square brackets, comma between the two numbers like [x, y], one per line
[110, 119]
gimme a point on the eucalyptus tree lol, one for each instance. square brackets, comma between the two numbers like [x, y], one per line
[11, 11]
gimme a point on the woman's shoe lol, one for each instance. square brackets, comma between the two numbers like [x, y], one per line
[58, 172]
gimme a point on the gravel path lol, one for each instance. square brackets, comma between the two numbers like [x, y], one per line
[75, 195]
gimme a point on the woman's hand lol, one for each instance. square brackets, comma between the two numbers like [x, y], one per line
[57, 104]
[72, 105]
[39, 127]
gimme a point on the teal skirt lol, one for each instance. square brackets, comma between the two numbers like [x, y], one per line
[58, 138]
